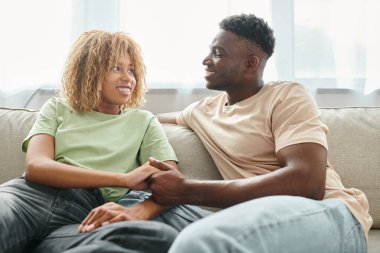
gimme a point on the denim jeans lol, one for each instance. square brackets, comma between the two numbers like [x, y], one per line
[46, 219]
[275, 224]
[131, 236]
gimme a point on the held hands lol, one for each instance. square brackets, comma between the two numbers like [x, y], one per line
[168, 186]
[137, 178]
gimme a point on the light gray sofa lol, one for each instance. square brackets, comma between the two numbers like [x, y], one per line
[354, 150]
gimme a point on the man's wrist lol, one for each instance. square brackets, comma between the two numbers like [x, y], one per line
[192, 191]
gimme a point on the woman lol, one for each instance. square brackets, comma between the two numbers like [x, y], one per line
[85, 150]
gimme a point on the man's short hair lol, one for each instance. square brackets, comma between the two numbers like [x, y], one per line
[252, 28]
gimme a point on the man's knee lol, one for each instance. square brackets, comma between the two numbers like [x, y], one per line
[197, 238]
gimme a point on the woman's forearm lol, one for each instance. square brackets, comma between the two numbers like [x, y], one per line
[56, 174]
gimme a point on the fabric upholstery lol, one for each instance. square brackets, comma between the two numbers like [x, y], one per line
[353, 138]
[354, 151]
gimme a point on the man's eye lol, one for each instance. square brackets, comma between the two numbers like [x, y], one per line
[217, 54]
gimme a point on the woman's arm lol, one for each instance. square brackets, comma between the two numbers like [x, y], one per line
[40, 167]
[112, 212]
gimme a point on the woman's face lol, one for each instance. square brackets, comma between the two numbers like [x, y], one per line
[118, 86]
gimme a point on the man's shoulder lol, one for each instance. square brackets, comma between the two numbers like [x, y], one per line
[221, 97]
[285, 88]
[284, 85]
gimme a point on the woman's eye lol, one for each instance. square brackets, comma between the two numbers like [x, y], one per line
[115, 68]
[131, 71]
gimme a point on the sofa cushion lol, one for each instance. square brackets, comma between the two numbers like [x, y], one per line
[194, 160]
[15, 125]
[354, 150]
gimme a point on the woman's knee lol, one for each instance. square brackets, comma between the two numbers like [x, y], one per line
[156, 236]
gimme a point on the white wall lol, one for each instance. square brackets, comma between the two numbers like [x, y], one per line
[168, 100]
[172, 100]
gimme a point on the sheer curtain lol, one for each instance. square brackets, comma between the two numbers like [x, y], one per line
[320, 43]
[175, 35]
[34, 42]
[336, 43]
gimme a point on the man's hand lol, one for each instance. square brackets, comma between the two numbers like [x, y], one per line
[169, 185]
[112, 212]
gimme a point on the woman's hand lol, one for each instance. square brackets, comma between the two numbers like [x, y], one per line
[112, 212]
[137, 178]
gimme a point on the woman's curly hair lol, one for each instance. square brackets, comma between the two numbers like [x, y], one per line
[252, 28]
[87, 65]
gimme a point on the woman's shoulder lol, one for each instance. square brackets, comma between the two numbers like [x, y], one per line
[56, 102]
[136, 112]
[51, 103]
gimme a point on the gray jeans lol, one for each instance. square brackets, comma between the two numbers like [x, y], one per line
[46, 219]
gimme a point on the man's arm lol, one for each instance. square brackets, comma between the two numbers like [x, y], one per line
[168, 118]
[302, 173]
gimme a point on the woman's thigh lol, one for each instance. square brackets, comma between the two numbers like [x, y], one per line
[177, 217]
[30, 211]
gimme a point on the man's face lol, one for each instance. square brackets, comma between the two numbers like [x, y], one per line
[226, 62]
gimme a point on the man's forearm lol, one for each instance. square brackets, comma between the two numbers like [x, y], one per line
[213, 193]
[168, 118]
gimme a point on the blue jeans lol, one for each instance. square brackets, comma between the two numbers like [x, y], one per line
[275, 224]
[46, 219]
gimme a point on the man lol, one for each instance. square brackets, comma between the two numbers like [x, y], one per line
[281, 193]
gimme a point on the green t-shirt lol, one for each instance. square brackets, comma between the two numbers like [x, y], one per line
[93, 140]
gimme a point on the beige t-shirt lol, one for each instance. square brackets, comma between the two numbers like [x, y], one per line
[243, 139]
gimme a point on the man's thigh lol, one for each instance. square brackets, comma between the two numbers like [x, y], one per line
[275, 224]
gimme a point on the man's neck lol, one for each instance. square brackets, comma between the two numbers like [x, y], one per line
[242, 94]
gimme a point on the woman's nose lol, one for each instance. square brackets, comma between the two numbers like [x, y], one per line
[126, 76]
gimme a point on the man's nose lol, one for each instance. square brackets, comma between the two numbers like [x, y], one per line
[206, 60]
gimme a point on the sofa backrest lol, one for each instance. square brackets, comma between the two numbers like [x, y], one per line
[14, 126]
[354, 149]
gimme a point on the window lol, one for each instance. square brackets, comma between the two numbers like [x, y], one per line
[321, 43]
[175, 35]
[36, 36]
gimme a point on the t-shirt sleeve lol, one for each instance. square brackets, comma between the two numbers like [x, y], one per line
[184, 117]
[156, 144]
[46, 122]
[296, 118]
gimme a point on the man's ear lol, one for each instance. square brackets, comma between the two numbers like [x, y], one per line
[253, 63]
